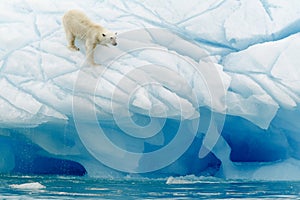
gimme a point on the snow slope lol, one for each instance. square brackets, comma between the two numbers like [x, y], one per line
[197, 87]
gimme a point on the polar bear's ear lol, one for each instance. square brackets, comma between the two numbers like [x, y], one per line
[103, 35]
[116, 33]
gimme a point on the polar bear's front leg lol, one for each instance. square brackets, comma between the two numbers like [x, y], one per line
[90, 48]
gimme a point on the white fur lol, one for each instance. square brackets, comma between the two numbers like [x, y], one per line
[77, 24]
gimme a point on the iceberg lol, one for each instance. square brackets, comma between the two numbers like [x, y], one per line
[28, 186]
[204, 88]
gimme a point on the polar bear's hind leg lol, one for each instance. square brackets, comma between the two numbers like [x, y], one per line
[71, 41]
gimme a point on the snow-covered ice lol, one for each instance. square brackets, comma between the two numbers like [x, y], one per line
[197, 87]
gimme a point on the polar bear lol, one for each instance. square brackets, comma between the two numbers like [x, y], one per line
[77, 24]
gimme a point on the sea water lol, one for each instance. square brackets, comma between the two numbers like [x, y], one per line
[189, 187]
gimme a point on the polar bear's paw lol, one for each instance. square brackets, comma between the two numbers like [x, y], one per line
[73, 48]
[93, 64]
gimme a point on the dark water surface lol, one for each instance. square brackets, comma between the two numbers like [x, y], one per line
[66, 187]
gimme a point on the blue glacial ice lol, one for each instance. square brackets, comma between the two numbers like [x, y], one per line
[197, 87]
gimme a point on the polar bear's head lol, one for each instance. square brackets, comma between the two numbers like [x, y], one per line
[109, 38]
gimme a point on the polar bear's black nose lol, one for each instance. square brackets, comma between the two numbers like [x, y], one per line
[115, 44]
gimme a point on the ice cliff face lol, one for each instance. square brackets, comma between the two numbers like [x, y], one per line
[197, 87]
